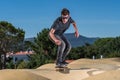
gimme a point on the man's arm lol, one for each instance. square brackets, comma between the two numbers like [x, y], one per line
[76, 30]
[51, 33]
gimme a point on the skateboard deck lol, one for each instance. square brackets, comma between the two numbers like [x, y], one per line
[63, 69]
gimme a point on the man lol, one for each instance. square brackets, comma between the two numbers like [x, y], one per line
[60, 25]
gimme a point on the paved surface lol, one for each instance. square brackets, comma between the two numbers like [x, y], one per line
[82, 69]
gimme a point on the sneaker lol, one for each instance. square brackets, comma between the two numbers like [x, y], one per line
[57, 66]
[60, 65]
[65, 63]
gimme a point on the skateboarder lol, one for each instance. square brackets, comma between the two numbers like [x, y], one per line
[56, 35]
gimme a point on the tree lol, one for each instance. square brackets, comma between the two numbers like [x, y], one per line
[44, 49]
[11, 39]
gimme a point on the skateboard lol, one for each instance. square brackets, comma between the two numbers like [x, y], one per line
[63, 69]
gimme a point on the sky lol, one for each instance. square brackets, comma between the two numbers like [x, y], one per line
[94, 18]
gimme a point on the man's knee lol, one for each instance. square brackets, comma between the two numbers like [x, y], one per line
[69, 47]
[63, 45]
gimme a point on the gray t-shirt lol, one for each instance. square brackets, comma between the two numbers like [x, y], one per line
[60, 27]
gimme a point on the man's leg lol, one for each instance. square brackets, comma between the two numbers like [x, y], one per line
[60, 51]
[67, 48]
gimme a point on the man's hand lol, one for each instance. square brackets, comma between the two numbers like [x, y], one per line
[57, 42]
[76, 34]
[76, 30]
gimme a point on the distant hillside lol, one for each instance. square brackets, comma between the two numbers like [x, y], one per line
[75, 42]
[80, 41]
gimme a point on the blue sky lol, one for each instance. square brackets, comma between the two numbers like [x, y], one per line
[94, 18]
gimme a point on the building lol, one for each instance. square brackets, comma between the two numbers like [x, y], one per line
[18, 56]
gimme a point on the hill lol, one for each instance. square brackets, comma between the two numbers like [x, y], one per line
[75, 42]
[80, 41]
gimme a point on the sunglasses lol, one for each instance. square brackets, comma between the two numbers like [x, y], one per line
[63, 17]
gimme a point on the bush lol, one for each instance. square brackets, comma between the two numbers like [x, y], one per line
[22, 65]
